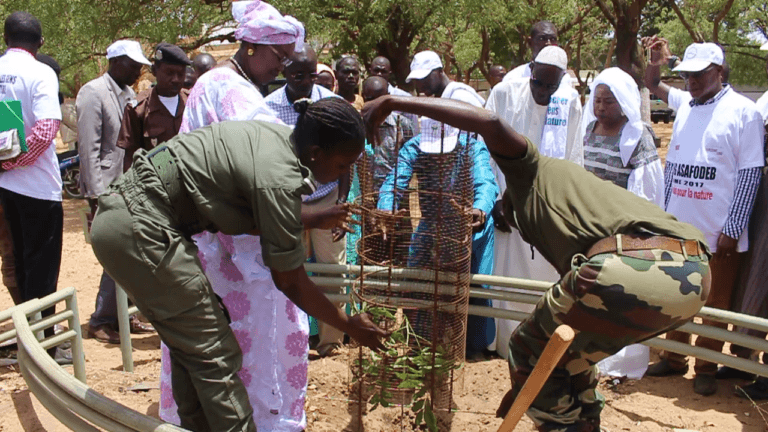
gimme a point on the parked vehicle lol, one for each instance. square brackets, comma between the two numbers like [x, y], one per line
[69, 164]
[660, 110]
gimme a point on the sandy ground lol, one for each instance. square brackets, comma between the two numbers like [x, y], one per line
[652, 404]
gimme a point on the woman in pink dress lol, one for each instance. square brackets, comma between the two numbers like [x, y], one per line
[271, 330]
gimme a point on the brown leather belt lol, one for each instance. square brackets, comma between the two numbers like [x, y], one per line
[633, 242]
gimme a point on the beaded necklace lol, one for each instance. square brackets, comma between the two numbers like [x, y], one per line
[242, 72]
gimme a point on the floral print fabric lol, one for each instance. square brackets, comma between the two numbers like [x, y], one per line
[272, 332]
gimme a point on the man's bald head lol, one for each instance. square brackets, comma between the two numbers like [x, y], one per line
[347, 61]
[348, 74]
[203, 62]
[301, 73]
[305, 55]
[496, 74]
[375, 87]
[381, 66]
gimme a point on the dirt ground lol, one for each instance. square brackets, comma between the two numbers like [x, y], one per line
[651, 404]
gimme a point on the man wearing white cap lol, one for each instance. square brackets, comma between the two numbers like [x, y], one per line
[436, 137]
[100, 104]
[550, 116]
[430, 79]
[711, 177]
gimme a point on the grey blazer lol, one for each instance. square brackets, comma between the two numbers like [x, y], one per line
[99, 115]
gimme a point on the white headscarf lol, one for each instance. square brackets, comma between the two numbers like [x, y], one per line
[625, 91]
[261, 23]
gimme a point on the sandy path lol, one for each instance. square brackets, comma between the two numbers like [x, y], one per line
[652, 404]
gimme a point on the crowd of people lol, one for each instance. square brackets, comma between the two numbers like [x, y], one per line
[209, 195]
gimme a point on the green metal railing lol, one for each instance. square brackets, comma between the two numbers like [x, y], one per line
[79, 407]
[332, 275]
[67, 397]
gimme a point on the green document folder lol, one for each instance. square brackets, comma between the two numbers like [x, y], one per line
[10, 118]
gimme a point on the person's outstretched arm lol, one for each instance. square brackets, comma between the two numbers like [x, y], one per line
[500, 138]
[297, 286]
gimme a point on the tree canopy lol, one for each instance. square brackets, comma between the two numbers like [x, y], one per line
[469, 35]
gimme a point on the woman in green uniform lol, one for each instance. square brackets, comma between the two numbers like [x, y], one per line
[237, 178]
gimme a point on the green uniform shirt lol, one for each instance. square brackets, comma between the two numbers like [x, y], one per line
[562, 209]
[244, 176]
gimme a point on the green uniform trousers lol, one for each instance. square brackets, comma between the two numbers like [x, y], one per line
[134, 239]
[611, 301]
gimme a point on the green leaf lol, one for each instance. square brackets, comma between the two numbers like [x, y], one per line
[419, 418]
[418, 405]
[430, 418]
[409, 384]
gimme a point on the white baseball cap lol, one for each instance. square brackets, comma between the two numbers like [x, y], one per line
[423, 64]
[129, 48]
[698, 56]
[552, 55]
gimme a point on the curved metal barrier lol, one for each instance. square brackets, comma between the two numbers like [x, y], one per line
[65, 396]
[79, 407]
[333, 275]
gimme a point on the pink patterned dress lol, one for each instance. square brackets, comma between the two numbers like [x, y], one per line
[271, 330]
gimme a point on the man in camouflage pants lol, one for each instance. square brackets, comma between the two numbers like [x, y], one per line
[629, 271]
[612, 300]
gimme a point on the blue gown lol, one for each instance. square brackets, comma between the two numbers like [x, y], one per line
[412, 161]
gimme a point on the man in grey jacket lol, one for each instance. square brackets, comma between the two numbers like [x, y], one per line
[100, 105]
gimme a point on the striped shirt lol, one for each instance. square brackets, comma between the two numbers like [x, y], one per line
[278, 102]
[602, 157]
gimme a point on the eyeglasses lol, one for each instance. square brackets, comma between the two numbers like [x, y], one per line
[545, 86]
[696, 75]
[546, 38]
[284, 60]
[301, 75]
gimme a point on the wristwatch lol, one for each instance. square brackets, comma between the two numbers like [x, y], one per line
[672, 61]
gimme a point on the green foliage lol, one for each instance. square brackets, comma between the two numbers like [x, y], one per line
[78, 32]
[408, 357]
[736, 33]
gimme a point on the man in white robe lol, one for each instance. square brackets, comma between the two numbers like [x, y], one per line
[547, 110]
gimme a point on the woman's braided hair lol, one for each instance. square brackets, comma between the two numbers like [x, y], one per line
[331, 123]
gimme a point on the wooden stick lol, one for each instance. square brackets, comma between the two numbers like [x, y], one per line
[559, 342]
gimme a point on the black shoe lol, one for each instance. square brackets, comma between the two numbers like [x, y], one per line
[662, 368]
[705, 385]
[727, 372]
[757, 390]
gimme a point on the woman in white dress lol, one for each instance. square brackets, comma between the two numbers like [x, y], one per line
[618, 147]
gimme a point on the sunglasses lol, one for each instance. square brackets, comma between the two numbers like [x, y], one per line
[696, 75]
[301, 76]
[543, 85]
[546, 38]
[284, 60]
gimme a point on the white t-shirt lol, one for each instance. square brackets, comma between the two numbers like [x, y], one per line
[762, 107]
[170, 103]
[35, 84]
[710, 144]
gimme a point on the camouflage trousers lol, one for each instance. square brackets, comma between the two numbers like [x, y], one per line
[611, 301]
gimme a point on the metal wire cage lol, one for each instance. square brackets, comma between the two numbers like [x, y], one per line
[415, 255]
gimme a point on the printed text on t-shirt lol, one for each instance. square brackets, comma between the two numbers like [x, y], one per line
[695, 171]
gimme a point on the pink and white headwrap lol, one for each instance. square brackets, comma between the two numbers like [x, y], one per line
[261, 23]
